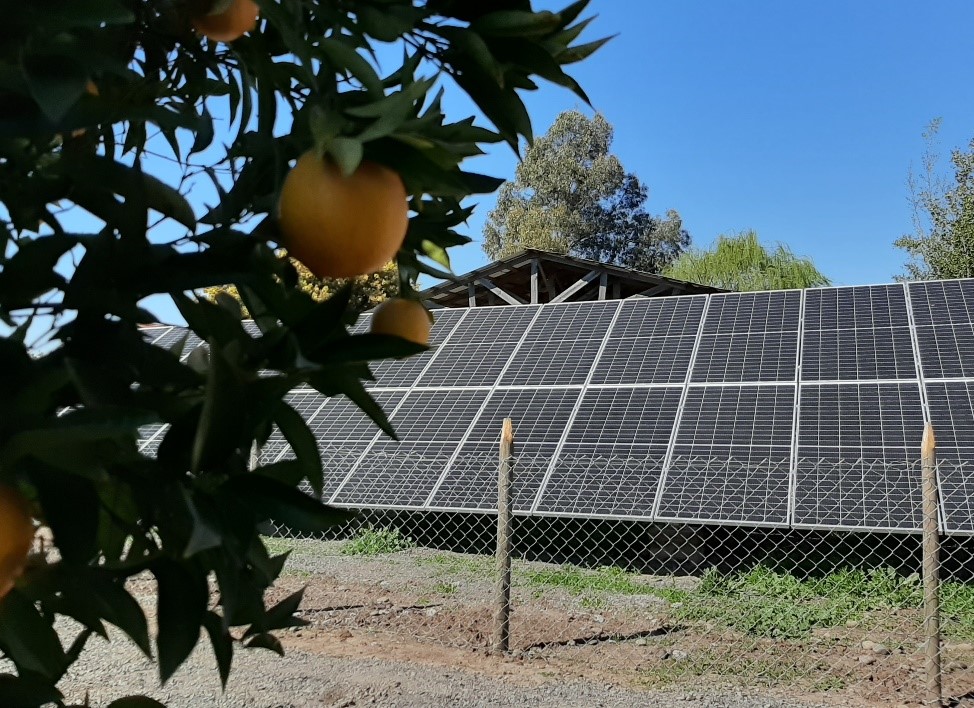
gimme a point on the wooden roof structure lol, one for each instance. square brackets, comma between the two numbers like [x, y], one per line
[535, 276]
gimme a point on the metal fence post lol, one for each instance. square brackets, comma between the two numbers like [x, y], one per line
[502, 612]
[931, 567]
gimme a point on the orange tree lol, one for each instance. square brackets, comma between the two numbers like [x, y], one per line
[111, 111]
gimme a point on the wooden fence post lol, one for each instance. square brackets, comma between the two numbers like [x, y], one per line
[931, 567]
[502, 611]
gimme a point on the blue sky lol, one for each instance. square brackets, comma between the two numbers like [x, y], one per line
[799, 120]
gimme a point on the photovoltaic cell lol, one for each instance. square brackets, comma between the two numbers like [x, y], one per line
[586, 320]
[475, 364]
[946, 351]
[759, 356]
[551, 362]
[659, 317]
[731, 457]
[644, 360]
[743, 313]
[153, 333]
[398, 373]
[609, 419]
[604, 480]
[868, 307]
[858, 354]
[858, 445]
[538, 415]
[339, 421]
[436, 416]
[337, 460]
[952, 415]
[396, 474]
[948, 302]
[471, 482]
[444, 320]
[493, 324]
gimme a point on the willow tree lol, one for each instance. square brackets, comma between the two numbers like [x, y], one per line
[740, 262]
[139, 158]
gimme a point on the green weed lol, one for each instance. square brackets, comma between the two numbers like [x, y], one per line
[373, 541]
[578, 581]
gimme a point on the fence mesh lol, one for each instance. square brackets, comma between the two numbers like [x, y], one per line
[828, 613]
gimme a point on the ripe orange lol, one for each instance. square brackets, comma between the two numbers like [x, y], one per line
[239, 17]
[404, 318]
[16, 536]
[338, 226]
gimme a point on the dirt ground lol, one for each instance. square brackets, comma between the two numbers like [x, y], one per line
[435, 609]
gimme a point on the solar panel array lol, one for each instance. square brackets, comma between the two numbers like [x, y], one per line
[786, 408]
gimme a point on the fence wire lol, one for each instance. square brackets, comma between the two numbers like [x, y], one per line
[827, 612]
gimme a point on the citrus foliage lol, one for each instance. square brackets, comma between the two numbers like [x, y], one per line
[95, 219]
[572, 195]
[942, 244]
[741, 263]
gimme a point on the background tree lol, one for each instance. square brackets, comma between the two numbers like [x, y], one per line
[571, 195]
[111, 113]
[740, 262]
[942, 242]
[365, 291]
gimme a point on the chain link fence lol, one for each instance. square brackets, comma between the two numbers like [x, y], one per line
[832, 614]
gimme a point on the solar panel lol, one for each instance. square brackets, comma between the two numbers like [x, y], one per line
[153, 333]
[672, 409]
[759, 356]
[644, 360]
[857, 448]
[659, 317]
[471, 481]
[952, 415]
[395, 475]
[947, 302]
[743, 313]
[539, 414]
[475, 364]
[731, 456]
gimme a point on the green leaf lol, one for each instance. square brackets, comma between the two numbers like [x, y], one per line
[222, 644]
[28, 639]
[399, 103]
[367, 347]
[515, 23]
[437, 253]
[26, 691]
[342, 57]
[182, 609]
[265, 641]
[289, 472]
[136, 702]
[302, 441]
[56, 82]
[119, 608]
[282, 614]
[347, 152]
[283, 504]
[368, 405]
[220, 424]
[205, 535]
[581, 51]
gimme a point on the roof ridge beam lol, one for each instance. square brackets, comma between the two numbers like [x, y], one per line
[576, 286]
[507, 297]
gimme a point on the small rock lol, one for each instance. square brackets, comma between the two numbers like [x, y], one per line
[382, 601]
[867, 659]
[664, 655]
[431, 611]
[881, 649]
[965, 647]
[953, 666]
[851, 624]
[868, 645]
[598, 619]
[641, 642]
[344, 634]
[678, 655]
[375, 613]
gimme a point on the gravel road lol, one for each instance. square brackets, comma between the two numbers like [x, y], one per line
[262, 680]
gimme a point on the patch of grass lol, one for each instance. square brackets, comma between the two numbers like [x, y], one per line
[593, 602]
[766, 603]
[445, 588]
[957, 610]
[373, 541]
[734, 667]
[479, 566]
[577, 580]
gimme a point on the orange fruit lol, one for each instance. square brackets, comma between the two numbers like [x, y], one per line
[239, 17]
[16, 536]
[403, 318]
[338, 226]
